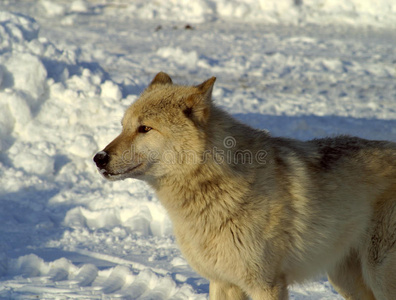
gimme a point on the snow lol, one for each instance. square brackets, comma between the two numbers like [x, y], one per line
[69, 69]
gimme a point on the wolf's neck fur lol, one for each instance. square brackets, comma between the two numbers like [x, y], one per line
[217, 187]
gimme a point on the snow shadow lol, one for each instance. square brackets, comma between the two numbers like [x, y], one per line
[310, 126]
[60, 71]
[28, 221]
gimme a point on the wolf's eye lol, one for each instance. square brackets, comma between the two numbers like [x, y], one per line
[144, 129]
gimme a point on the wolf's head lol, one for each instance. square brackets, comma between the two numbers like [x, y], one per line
[162, 130]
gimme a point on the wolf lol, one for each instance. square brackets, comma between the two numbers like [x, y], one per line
[255, 213]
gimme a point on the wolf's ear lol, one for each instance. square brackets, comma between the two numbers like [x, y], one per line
[161, 78]
[206, 87]
[199, 103]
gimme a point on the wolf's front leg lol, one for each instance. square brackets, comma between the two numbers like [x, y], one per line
[225, 291]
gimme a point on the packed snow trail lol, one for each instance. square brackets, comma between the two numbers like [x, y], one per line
[66, 78]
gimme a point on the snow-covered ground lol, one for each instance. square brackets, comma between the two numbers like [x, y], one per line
[68, 70]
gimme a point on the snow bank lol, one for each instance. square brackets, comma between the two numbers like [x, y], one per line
[353, 12]
[38, 83]
[147, 219]
[367, 12]
[63, 279]
[55, 8]
[23, 74]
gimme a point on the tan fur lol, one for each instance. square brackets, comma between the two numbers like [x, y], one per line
[254, 213]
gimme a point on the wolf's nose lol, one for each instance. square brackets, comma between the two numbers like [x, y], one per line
[101, 159]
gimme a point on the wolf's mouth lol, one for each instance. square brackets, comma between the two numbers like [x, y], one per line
[116, 176]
